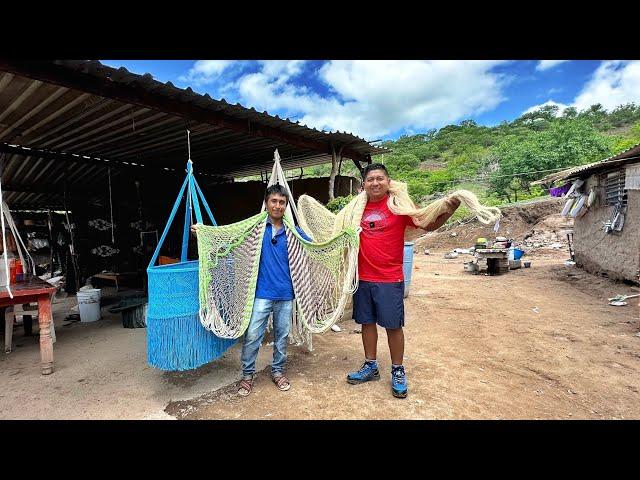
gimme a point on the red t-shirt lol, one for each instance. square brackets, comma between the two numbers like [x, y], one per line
[381, 243]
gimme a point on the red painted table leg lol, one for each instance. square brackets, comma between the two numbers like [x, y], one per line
[46, 345]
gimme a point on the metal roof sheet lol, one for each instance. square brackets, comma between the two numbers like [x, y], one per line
[626, 156]
[53, 107]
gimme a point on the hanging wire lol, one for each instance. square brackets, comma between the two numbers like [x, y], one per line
[189, 144]
[113, 240]
[4, 237]
[190, 172]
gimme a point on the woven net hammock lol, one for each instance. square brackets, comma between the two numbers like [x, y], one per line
[323, 275]
[176, 340]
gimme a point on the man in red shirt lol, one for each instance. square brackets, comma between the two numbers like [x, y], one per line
[380, 295]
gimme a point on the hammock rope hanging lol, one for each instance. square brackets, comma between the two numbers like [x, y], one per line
[176, 340]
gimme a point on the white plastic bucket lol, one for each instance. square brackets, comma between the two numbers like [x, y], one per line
[89, 304]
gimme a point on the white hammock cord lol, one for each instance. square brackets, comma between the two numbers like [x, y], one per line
[113, 240]
[4, 241]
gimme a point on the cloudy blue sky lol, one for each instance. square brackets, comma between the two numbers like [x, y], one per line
[378, 99]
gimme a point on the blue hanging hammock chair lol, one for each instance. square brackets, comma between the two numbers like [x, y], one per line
[176, 340]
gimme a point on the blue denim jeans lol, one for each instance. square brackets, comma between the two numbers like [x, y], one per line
[255, 333]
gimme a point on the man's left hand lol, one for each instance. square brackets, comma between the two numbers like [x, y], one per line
[452, 205]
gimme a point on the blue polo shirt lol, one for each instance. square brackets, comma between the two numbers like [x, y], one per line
[274, 276]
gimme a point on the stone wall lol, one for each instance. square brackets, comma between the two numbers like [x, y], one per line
[615, 254]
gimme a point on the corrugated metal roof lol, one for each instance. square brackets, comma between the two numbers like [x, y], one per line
[83, 111]
[629, 155]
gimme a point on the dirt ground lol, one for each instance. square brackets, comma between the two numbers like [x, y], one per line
[100, 371]
[536, 222]
[536, 343]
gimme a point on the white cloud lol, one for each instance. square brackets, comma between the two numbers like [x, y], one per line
[375, 98]
[612, 84]
[561, 107]
[205, 71]
[547, 64]
[380, 97]
[271, 88]
[282, 69]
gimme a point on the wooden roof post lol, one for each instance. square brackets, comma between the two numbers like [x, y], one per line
[334, 170]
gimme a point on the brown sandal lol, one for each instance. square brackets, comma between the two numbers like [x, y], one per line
[245, 386]
[281, 382]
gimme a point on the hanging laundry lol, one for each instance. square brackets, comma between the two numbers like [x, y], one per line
[578, 208]
[567, 207]
[577, 184]
[560, 191]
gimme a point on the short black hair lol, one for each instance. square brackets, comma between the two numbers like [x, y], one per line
[373, 166]
[276, 189]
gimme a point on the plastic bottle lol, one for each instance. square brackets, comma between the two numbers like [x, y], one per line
[12, 270]
[19, 271]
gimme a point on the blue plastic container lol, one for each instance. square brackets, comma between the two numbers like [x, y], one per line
[407, 266]
[517, 253]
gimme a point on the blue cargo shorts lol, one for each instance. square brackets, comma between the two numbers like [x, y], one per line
[379, 302]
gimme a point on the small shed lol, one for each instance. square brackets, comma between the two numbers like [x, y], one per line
[607, 225]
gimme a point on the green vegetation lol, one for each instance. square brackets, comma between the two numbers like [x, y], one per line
[339, 203]
[499, 163]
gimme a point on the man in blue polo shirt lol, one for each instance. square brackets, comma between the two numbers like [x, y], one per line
[274, 294]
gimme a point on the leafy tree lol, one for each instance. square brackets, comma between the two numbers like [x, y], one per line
[597, 116]
[624, 115]
[626, 141]
[565, 143]
[339, 203]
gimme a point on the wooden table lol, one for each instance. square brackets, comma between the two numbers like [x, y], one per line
[114, 277]
[35, 290]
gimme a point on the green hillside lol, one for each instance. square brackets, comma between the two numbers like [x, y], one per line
[499, 163]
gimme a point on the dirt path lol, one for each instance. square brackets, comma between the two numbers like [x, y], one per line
[535, 343]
